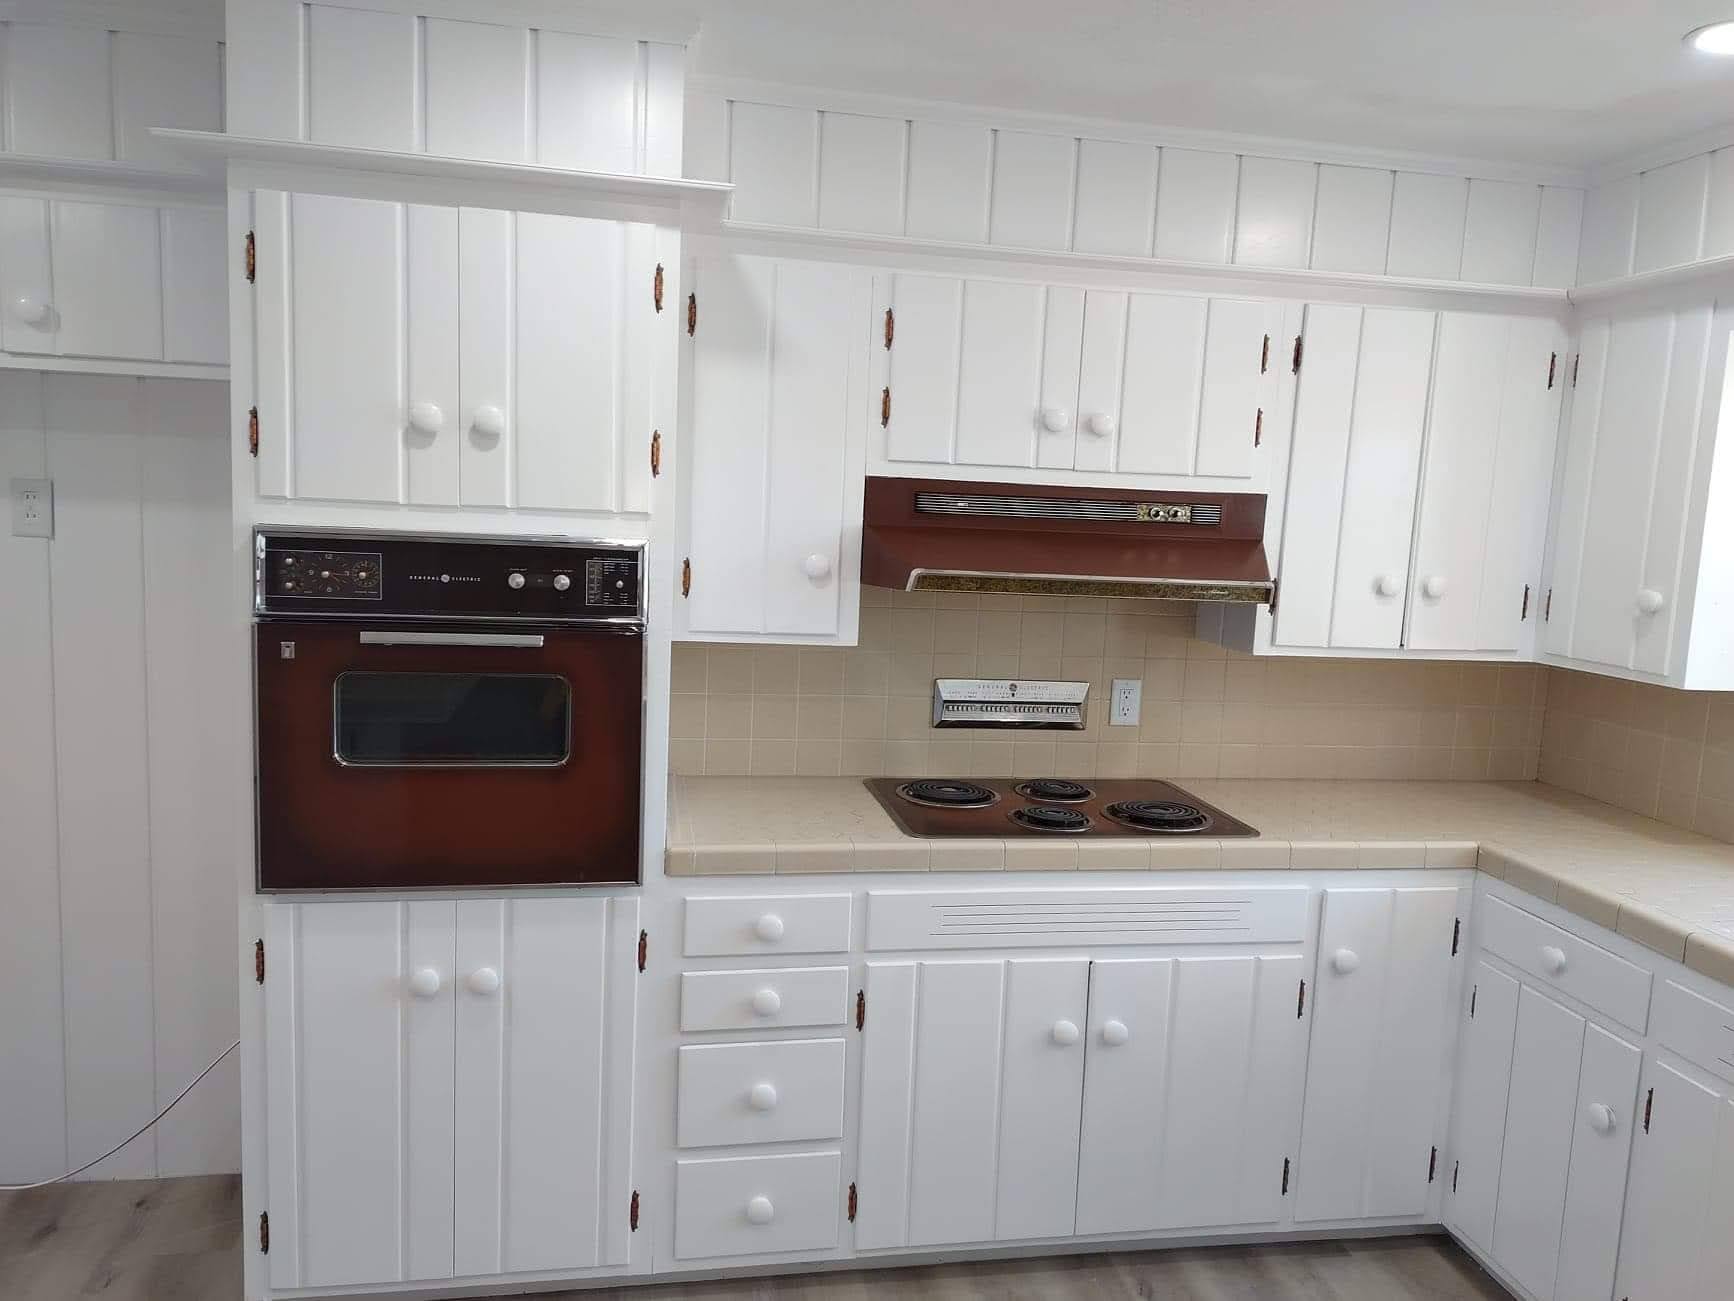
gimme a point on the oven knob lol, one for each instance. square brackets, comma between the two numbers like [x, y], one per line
[562, 582]
[514, 581]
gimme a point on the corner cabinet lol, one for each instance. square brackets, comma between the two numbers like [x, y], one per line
[773, 464]
[437, 1070]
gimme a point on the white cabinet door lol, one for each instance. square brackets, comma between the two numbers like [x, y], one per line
[108, 280]
[1483, 1091]
[775, 449]
[1676, 1245]
[27, 321]
[999, 373]
[1239, 382]
[1376, 1062]
[1596, 1185]
[1046, 1009]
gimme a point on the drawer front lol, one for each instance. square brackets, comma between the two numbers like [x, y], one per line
[1586, 971]
[760, 925]
[760, 1092]
[755, 1205]
[1699, 1029]
[752, 1000]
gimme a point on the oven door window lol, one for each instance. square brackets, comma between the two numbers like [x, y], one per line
[452, 720]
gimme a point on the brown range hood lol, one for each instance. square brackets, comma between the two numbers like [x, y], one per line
[944, 535]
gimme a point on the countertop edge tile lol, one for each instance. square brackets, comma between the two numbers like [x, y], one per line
[1711, 955]
[1590, 902]
[893, 856]
[1654, 929]
[836, 856]
[1400, 855]
[1255, 855]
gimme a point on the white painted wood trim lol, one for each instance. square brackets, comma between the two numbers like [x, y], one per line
[112, 366]
[666, 24]
[97, 177]
[1671, 151]
[197, 18]
[1686, 273]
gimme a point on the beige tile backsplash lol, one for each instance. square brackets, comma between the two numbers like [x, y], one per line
[1664, 753]
[866, 710]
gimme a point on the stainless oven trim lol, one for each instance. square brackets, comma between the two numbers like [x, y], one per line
[404, 637]
[341, 762]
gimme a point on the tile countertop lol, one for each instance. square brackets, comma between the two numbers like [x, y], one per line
[1665, 888]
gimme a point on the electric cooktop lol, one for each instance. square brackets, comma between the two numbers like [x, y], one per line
[1049, 806]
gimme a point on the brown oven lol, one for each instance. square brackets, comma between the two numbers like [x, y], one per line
[457, 713]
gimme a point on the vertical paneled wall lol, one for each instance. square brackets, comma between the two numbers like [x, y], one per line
[1021, 189]
[1672, 215]
[117, 944]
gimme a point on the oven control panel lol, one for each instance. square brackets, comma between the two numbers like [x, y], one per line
[423, 577]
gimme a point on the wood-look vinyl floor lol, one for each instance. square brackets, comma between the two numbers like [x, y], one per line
[180, 1240]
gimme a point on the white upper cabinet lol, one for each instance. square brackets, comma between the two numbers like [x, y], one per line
[1641, 576]
[772, 476]
[998, 377]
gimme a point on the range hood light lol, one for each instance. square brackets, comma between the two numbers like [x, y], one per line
[1712, 38]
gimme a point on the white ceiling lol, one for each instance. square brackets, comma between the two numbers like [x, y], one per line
[1571, 82]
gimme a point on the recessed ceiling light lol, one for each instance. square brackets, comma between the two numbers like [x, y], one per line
[1712, 38]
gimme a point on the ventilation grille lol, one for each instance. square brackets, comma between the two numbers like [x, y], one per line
[1066, 508]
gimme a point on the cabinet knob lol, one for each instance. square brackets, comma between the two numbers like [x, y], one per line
[1432, 587]
[769, 928]
[1552, 959]
[30, 309]
[1056, 419]
[426, 417]
[762, 1096]
[767, 1002]
[1100, 423]
[760, 1211]
[816, 566]
[1344, 961]
[1115, 1033]
[1065, 1033]
[483, 980]
[424, 982]
[1385, 585]
[1601, 1117]
[1650, 601]
[488, 421]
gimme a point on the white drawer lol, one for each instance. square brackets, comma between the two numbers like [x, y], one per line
[1586, 971]
[1699, 1029]
[732, 925]
[751, 1000]
[777, 1092]
[755, 1205]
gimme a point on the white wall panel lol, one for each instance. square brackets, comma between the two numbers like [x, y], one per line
[1116, 201]
[861, 173]
[165, 81]
[1352, 220]
[1609, 224]
[476, 96]
[361, 78]
[58, 97]
[1195, 205]
[1559, 227]
[774, 164]
[1671, 206]
[1719, 209]
[1032, 190]
[1427, 214]
[585, 104]
[1274, 218]
[948, 181]
[1499, 232]
[664, 108]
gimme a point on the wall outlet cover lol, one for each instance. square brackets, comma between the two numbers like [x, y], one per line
[1124, 702]
[32, 508]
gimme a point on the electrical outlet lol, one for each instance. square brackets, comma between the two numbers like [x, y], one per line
[32, 508]
[1124, 702]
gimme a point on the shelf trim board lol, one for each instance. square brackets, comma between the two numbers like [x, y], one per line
[105, 177]
[113, 366]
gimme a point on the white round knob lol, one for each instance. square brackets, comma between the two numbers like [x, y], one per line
[426, 417]
[1343, 961]
[1385, 585]
[1100, 423]
[760, 1211]
[562, 582]
[816, 566]
[1552, 959]
[767, 1002]
[515, 581]
[1601, 1117]
[762, 1096]
[1649, 600]
[1115, 1033]
[769, 928]
[1433, 587]
[424, 982]
[483, 980]
[489, 422]
[1065, 1033]
[1056, 419]
[29, 309]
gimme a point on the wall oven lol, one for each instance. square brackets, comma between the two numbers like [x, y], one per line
[447, 713]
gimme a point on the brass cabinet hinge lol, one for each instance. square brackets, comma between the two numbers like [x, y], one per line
[890, 326]
[1300, 1005]
[1299, 348]
[860, 1009]
[1525, 613]
[252, 258]
[1456, 934]
[1455, 1167]
[632, 1212]
[1474, 993]
[655, 453]
[1649, 1106]
[1552, 366]
[686, 577]
[1258, 428]
[253, 430]
[259, 961]
[1264, 356]
[1574, 362]
[885, 407]
[643, 948]
[1285, 1176]
[691, 314]
[1432, 1164]
[656, 287]
[264, 1231]
[854, 1203]
[1547, 606]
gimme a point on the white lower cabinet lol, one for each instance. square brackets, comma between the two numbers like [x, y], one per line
[450, 1087]
[756, 1205]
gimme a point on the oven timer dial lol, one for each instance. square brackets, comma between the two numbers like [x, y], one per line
[562, 582]
[514, 580]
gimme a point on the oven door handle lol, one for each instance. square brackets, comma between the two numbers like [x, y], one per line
[523, 640]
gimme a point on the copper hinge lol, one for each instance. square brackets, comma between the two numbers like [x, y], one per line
[890, 326]
[1285, 1176]
[1525, 614]
[259, 961]
[655, 453]
[1258, 428]
[1299, 347]
[1547, 606]
[854, 1203]
[1574, 361]
[1264, 356]
[656, 287]
[686, 577]
[1456, 934]
[1455, 1167]
[632, 1212]
[884, 406]
[1300, 1005]
[860, 1008]
[643, 948]
[1649, 1106]
[1432, 1164]
[252, 258]
[253, 430]
[691, 313]
[264, 1231]
[1552, 366]
[1474, 993]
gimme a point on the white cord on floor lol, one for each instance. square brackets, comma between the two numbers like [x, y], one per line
[43, 1183]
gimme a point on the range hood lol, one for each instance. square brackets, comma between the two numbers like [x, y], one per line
[944, 535]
